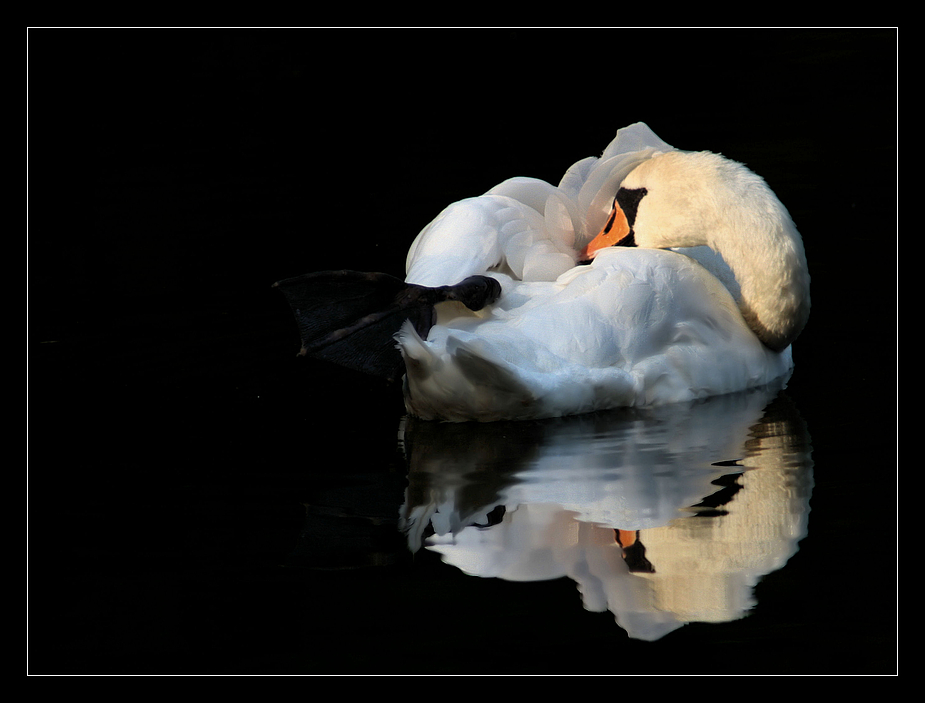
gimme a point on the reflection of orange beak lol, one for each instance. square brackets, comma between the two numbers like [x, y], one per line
[615, 231]
[625, 538]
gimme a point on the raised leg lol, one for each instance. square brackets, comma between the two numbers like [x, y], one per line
[351, 317]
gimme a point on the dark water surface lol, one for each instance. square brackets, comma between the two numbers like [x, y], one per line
[201, 501]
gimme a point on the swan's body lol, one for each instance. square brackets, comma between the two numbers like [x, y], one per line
[637, 325]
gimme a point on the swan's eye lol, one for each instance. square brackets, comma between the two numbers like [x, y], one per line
[628, 200]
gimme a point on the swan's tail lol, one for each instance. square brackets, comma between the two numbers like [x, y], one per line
[351, 318]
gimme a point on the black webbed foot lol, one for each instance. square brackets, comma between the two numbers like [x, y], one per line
[351, 318]
[474, 292]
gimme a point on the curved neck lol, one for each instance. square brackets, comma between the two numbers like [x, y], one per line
[770, 266]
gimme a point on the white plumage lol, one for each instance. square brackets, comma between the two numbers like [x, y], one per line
[637, 326]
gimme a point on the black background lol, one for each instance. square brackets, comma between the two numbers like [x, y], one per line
[174, 436]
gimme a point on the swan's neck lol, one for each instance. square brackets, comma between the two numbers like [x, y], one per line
[765, 252]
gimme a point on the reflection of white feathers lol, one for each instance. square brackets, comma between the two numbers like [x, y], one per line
[568, 488]
[636, 327]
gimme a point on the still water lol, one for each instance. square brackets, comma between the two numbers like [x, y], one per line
[250, 533]
[201, 503]
[661, 517]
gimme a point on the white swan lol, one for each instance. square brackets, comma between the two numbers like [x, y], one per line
[638, 325]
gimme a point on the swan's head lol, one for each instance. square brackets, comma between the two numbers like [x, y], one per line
[680, 199]
[690, 199]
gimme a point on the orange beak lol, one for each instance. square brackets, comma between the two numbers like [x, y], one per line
[615, 231]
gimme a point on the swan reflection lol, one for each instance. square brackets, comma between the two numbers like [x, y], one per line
[663, 517]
